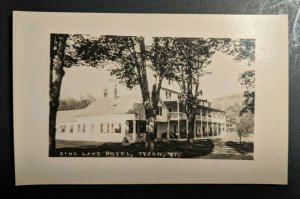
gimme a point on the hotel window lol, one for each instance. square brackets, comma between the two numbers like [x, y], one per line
[71, 128]
[112, 127]
[159, 110]
[170, 94]
[130, 127]
[62, 128]
[142, 127]
[166, 95]
[169, 82]
[118, 128]
[83, 128]
[78, 128]
[92, 127]
[104, 128]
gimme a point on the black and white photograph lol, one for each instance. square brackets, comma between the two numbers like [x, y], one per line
[151, 97]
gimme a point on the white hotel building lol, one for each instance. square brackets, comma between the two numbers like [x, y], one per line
[110, 119]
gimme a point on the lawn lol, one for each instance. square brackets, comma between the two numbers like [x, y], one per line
[243, 147]
[162, 149]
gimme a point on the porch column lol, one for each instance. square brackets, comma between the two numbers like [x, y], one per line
[201, 132]
[187, 126]
[207, 130]
[195, 129]
[178, 120]
[168, 130]
[200, 114]
[216, 129]
[134, 131]
[207, 114]
[178, 129]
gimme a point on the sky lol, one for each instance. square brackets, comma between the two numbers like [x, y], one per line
[223, 80]
[224, 77]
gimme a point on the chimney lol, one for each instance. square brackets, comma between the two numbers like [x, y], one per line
[105, 94]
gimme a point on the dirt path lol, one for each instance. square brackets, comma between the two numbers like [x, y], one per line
[221, 151]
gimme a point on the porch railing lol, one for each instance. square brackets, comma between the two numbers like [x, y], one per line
[175, 115]
[206, 118]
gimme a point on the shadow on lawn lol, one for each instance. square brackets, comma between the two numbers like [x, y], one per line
[200, 148]
[244, 147]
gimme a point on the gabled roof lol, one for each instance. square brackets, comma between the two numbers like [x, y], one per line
[68, 115]
[109, 105]
[127, 104]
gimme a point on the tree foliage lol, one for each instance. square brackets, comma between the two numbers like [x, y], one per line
[65, 53]
[74, 104]
[132, 60]
[246, 124]
[57, 63]
[180, 59]
[247, 79]
[129, 55]
[191, 57]
[244, 49]
[85, 50]
[233, 114]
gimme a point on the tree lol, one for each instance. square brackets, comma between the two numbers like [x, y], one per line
[193, 55]
[57, 62]
[245, 125]
[244, 49]
[129, 54]
[233, 115]
[132, 58]
[73, 104]
[65, 51]
[247, 79]
[179, 59]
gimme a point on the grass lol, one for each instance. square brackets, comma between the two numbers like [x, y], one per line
[200, 148]
[74, 144]
[243, 147]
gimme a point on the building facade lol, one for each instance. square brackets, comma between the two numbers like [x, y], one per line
[111, 119]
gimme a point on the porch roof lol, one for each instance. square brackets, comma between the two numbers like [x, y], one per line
[174, 103]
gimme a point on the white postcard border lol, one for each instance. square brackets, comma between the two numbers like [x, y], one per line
[31, 38]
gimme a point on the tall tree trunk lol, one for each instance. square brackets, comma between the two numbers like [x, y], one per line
[57, 53]
[154, 100]
[191, 134]
[168, 129]
[191, 124]
[150, 128]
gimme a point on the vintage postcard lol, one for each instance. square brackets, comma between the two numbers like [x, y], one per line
[137, 98]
